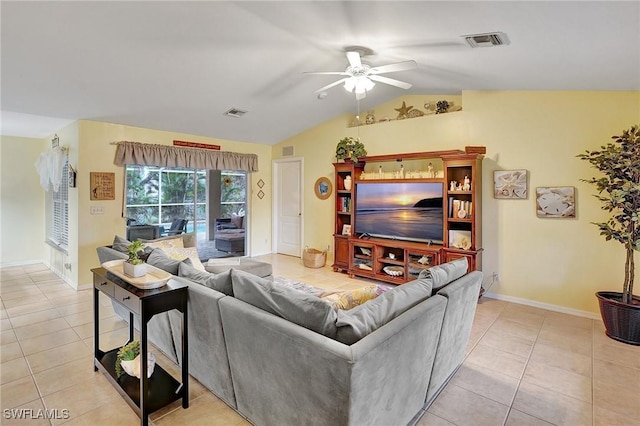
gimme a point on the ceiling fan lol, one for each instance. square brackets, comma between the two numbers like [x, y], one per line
[361, 77]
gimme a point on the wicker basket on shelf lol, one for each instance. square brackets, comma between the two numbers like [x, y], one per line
[313, 258]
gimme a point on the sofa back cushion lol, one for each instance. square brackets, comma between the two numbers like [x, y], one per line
[443, 274]
[220, 282]
[356, 323]
[304, 309]
[159, 259]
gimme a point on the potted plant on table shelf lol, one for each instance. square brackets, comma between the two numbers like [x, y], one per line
[134, 266]
[619, 192]
[350, 149]
[128, 360]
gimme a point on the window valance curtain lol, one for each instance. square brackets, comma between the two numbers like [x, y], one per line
[145, 154]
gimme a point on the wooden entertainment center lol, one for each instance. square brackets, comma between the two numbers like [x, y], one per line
[397, 260]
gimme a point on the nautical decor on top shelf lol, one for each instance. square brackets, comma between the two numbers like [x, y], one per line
[405, 112]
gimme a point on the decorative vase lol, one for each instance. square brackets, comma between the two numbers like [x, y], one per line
[132, 367]
[347, 183]
[135, 271]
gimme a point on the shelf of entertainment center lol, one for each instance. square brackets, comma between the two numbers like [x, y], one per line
[409, 258]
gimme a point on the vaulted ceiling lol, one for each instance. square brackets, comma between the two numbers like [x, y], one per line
[178, 66]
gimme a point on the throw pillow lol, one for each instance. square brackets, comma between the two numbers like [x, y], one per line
[220, 282]
[120, 244]
[362, 320]
[159, 259]
[237, 220]
[165, 243]
[350, 298]
[443, 274]
[306, 310]
[182, 253]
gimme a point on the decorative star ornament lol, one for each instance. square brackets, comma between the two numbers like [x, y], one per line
[403, 110]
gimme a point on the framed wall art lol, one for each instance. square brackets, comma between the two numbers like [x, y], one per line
[102, 186]
[346, 229]
[323, 188]
[556, 201]
[510, 184]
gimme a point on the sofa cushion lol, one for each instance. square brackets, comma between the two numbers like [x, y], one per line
[159, 259]
[238, 221]
[356, 323]
[220, 282]
[120, 244]
[255, 267]
[443, 274]
[306, 310]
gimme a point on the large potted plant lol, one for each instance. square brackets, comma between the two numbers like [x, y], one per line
[619, 191]
[350, 149]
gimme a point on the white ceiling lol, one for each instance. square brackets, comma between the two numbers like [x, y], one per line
[178, 66]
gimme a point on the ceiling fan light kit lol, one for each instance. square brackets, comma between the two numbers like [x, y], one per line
[359, 78]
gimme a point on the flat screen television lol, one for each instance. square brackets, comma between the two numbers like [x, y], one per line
[400, 210]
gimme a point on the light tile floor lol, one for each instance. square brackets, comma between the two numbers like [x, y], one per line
[525, 366]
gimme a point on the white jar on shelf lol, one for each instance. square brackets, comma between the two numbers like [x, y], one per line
[347, 183]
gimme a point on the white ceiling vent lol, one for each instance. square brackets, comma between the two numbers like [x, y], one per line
[235, 112]
[487, 39]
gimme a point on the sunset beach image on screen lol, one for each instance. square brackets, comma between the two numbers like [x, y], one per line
[400, 210]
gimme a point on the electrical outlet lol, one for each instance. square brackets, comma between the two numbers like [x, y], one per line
[496, 277]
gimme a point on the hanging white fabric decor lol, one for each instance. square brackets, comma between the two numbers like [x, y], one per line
[49, 166]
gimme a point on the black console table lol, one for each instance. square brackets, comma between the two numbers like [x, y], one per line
[161, 388]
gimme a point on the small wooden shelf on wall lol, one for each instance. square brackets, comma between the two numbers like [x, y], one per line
[398, 261]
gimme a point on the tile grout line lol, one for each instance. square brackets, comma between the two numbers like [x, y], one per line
[513, 398]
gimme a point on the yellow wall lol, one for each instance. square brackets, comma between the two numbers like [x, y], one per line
[22, 222]
[559, 262]
[97, 155]
[551, 261]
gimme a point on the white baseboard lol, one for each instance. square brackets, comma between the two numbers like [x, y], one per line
[547, 306]
[22, 263]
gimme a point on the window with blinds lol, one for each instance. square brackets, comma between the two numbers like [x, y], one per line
[58, 203]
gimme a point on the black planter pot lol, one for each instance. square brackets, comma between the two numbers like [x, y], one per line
[622, 321]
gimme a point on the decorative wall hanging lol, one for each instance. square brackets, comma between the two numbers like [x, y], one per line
[261, 194]
[102, 185]
[510, 184]
[556, 201]
[260, 183]
[323, 188]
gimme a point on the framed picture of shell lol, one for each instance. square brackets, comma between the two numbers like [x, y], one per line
[556, 201]
[510, 184]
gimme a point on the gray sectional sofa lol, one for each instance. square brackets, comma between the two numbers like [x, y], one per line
[280, 357]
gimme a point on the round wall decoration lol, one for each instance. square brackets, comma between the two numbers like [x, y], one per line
[323, 188]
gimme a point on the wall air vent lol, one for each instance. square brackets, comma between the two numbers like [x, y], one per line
[235, 112]
[486, 40]
[287, 151]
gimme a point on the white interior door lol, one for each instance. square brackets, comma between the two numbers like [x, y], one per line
[289, 207]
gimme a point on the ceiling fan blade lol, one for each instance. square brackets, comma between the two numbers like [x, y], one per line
[327, 73]
[329, 86]
[354, 59]
[391, 81]
[399, 66]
